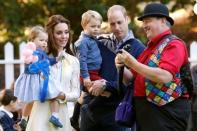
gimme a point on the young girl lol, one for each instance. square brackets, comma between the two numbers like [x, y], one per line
[36, 83]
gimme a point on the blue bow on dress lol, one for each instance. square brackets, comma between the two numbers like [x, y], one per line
[41, 67]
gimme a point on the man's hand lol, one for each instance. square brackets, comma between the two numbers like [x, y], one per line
[124, 58]
[97, 87]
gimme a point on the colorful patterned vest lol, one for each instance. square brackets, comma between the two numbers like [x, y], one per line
[159, 93]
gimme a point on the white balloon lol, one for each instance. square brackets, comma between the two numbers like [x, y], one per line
[195, 8]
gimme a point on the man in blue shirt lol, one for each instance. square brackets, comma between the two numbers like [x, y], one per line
[100, 115]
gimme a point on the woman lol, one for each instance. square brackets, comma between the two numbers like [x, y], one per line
[66, 72]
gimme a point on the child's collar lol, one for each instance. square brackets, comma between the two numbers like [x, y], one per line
[2, 108]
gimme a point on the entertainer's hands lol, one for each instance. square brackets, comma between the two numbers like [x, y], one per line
[124, 58]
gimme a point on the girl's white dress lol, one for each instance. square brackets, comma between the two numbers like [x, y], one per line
[66, 72]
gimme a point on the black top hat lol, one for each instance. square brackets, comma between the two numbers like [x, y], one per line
[156, 9]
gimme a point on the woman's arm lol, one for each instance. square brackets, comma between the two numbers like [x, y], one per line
[74, 82]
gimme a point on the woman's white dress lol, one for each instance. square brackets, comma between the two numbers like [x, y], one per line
[67, 73]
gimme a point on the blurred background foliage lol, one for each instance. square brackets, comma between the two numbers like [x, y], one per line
[18, 16]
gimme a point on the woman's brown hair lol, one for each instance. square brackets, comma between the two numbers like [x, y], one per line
[52, 22]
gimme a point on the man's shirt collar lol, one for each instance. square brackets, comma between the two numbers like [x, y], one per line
[155, 40]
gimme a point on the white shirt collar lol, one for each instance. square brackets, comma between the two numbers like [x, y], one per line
[128, 37]
[7, 112]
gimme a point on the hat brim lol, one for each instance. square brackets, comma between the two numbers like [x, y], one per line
[156, 15]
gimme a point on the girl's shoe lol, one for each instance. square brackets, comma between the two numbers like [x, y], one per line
[55, 121]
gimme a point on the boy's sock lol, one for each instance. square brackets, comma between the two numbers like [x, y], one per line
[76, 112]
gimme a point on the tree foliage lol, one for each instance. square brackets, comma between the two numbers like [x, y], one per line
[17, 15]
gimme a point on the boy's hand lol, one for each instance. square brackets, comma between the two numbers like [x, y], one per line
[97, 87]
[17, 127]
[87, 83]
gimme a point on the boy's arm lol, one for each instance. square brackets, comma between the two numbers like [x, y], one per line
[82, 50]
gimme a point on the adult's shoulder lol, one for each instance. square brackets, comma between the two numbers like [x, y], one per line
[106, 41]
[72, 58]
[136, 41]
[177, 44]
[137, 47]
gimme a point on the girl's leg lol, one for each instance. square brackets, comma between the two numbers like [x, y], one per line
[25, 114]
[27, 110]
[54, 119]
[54, 106]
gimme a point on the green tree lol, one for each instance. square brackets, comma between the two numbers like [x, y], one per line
[16, 16]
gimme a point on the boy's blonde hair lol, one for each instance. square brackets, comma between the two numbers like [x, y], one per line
[35, 31]
[88, 15]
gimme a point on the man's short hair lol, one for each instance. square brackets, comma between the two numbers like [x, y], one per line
[117, 7]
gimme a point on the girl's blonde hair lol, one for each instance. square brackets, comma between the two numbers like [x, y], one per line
[88, 15]
[35, 31]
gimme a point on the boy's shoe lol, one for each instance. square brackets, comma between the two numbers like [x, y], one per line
[55, 121]
[23, 124]
[74, 124]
